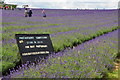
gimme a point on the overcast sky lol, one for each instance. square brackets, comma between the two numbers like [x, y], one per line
[68, 4]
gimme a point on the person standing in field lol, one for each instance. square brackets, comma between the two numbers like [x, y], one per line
[26, 12]
[7, 7]
[30, 13]
[43, 13]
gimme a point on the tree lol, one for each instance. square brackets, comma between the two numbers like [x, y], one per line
[2, 1]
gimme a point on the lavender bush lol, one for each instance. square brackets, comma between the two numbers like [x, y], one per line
[88, 60]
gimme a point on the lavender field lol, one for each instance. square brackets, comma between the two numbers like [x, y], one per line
[88, 60]
[67, 28]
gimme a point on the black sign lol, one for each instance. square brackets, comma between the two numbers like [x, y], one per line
[34, 46]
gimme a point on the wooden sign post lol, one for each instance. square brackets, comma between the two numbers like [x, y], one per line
[34, 46]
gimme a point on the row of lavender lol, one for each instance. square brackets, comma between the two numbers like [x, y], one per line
[66, 30]
[96, 18]
[54, 25]
[91, 59]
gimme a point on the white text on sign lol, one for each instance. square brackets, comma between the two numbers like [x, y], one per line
[36, 46]
[33, 53]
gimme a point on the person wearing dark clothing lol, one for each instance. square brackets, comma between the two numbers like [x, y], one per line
[30, 13]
